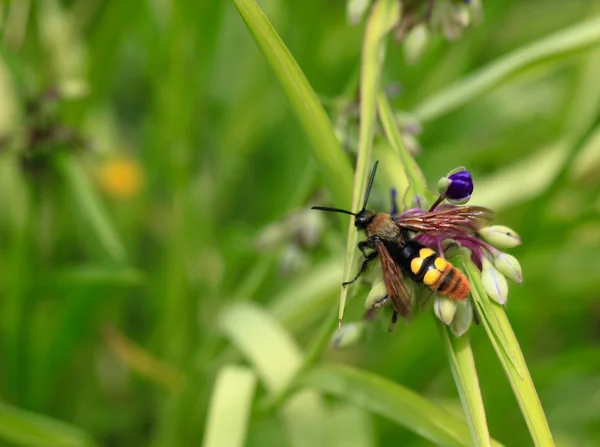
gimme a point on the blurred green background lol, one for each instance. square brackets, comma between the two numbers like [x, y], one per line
[146, 146]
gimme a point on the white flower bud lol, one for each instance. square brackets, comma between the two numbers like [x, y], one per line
[463, 319]
[355, 10]
[348, 335]
[494, 282]
[444, 308]
[500, 236]
[415, 43]
[509, 266]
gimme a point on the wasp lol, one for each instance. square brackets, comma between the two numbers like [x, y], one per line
[389, 238]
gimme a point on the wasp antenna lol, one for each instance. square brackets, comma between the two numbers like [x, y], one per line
[334, 210]
[370, 184]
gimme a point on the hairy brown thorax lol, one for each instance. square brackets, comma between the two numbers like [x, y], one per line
[384, 227]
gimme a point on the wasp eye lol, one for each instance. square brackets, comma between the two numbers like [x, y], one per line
[363, 219]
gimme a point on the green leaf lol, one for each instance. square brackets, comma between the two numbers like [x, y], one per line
[24, 428]
[276, 358]
[308, 296]
[411, 174]
[91, 209]
[462, 365]
[393, 401]
[563, 43]
[270, 349]
[384, 15]
[230, 407]
[352, 426]
[304, 102]
[507, 348]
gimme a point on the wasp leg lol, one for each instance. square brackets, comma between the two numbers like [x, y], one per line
[440, 249]
[476, 318]
[370, 313]
[381, 302]
[362, 246]
[368, 258]
[393, 321]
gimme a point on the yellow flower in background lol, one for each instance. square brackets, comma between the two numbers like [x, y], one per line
[121, 177]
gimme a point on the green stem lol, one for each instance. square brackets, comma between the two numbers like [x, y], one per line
[507, 348]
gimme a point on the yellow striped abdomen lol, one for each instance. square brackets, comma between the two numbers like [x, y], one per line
[425, 266]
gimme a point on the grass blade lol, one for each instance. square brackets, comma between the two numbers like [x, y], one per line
[230, 407]
[384, 15]
[304, 102]
[411, 175]
[91, 209]
[575, 38]
[462, 365]
[507, 348]
[393, 401]
[276, 358]
[23, 428]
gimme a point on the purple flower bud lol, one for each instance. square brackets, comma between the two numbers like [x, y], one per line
[461, 186]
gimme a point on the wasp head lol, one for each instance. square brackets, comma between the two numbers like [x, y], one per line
[363, 219]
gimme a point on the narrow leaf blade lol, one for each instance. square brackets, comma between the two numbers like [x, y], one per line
[575, 38]
[507, 348]
[92, 210]
[393, 401]
[462, 365]
[411, 175]
[303, 100]
[24, 428]
[384, 15]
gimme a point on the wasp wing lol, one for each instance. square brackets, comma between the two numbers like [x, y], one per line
[447, 219]
[392, 277]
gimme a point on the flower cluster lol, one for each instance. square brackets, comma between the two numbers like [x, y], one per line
[483, 245]
[289, 238]
[420, 18]
[45, 135]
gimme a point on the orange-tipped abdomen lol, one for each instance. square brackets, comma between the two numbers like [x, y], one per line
[452, 283]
